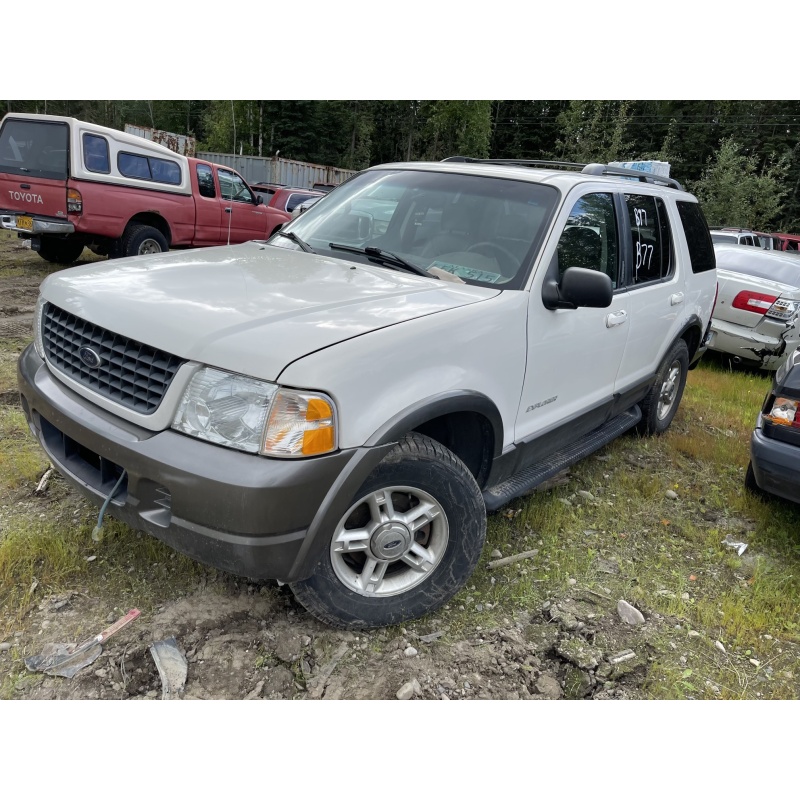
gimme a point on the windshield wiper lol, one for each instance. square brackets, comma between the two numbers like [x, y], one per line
[384, 257]
[304, 246]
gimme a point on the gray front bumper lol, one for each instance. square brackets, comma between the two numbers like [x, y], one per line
[246, 514]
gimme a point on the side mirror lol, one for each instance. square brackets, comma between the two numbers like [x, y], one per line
[578, 288]
[259, 200]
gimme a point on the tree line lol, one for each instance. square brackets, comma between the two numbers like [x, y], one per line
[739, 157]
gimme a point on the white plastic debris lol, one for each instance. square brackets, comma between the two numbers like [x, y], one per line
[739, 547]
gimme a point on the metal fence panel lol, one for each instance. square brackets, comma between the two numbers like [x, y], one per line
[255, 169]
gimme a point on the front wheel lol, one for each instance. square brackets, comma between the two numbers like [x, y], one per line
[663, 399]
[409, 541]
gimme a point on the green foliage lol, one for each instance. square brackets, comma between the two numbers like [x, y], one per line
[353, 134]
[595, 131]
[458, 127]
[734, 192]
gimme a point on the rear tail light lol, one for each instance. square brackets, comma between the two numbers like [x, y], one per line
[769, 305]
[784, 411]
[74, 201]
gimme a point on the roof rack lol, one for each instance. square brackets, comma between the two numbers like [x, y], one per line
[586, 169]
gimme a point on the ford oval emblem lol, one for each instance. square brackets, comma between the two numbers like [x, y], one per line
[90, 357]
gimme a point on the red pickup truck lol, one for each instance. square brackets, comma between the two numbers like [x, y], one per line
[66, 184]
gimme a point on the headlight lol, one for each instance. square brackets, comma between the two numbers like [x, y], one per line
[256, 416]
[38, 339]
[300, 424]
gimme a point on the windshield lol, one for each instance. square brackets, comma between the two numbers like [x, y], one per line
[478, 229]
[35, 149]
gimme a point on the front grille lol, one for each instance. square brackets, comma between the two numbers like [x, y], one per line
[128, 372]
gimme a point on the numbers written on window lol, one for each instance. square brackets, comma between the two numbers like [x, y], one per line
[651, 239]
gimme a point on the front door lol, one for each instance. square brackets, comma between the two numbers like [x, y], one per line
[574, 355]
[209, 213]
[242, 219]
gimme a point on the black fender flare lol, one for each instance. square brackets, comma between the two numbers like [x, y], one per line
[440, 405]
[366, 459]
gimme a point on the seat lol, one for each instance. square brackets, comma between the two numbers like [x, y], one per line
[579, 247]
[455, 231]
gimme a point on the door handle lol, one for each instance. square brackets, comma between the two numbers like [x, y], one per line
[676, 299]
[617, 318]
[227, 210]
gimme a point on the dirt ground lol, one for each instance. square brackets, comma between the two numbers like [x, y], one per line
[244, 640]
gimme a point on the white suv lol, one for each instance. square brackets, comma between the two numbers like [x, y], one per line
[339, 407]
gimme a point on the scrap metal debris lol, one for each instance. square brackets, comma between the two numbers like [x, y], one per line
[739, 547]
[41, 488]
[66, 660]
[172, 667]
[502, 562]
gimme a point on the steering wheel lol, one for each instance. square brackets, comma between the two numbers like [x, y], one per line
[507, 261]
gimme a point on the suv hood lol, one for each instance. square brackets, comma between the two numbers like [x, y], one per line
[249, 308]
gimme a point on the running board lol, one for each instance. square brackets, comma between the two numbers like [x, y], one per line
[529, 478]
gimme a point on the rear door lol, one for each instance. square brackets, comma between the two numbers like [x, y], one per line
[655, 288]
[34, 166]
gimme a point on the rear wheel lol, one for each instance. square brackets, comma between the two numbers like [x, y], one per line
[142, 240]
[59, 251]
[663, 399]
[409, 541]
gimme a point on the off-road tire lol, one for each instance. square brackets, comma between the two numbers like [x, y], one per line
[59, 251]
[417, 463]
[141, 240]
[664, 397]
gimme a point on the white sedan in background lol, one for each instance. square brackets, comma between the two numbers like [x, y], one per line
[755, 319]
[304, 206]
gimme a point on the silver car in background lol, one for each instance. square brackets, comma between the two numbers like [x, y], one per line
[755, 319]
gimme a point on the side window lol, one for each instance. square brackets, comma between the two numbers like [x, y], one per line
[205, 181]
[295, 200]
[95, 153]
[651, 239]
[233, 187]
[132, 166]
[589, 238]
[701, 249]
[165, 171]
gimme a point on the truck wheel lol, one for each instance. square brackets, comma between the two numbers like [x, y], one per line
[59, 251]
[409, 541]
[142, 240]
[663, 399]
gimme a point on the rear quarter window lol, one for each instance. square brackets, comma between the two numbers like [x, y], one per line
[95, 153]
[698, 238]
